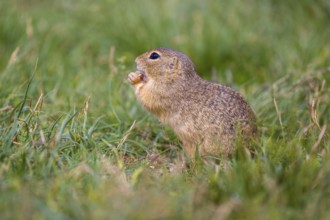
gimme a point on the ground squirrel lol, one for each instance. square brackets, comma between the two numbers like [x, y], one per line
[203, 114]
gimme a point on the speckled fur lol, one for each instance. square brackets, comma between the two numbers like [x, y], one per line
[203, 114]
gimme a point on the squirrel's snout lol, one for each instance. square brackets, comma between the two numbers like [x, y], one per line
[138, 60]
[138, 64]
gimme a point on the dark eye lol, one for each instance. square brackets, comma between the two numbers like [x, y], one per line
[154, 56]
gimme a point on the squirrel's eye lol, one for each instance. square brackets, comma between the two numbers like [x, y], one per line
[154, 56]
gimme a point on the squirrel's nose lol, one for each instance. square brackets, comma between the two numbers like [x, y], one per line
[137, 61]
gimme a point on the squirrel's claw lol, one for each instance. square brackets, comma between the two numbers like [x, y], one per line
[135, 77]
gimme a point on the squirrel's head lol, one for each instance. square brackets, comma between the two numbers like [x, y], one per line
[163, 63]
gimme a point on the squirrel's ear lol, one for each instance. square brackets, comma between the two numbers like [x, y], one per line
[174, 63]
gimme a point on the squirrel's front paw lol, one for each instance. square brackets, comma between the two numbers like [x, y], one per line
[135, 77]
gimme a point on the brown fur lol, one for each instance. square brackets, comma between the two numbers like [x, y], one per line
[203, 114]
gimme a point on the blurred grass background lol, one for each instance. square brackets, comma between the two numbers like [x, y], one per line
[75, 144]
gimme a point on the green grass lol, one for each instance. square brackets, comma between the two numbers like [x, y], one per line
[75, 143]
